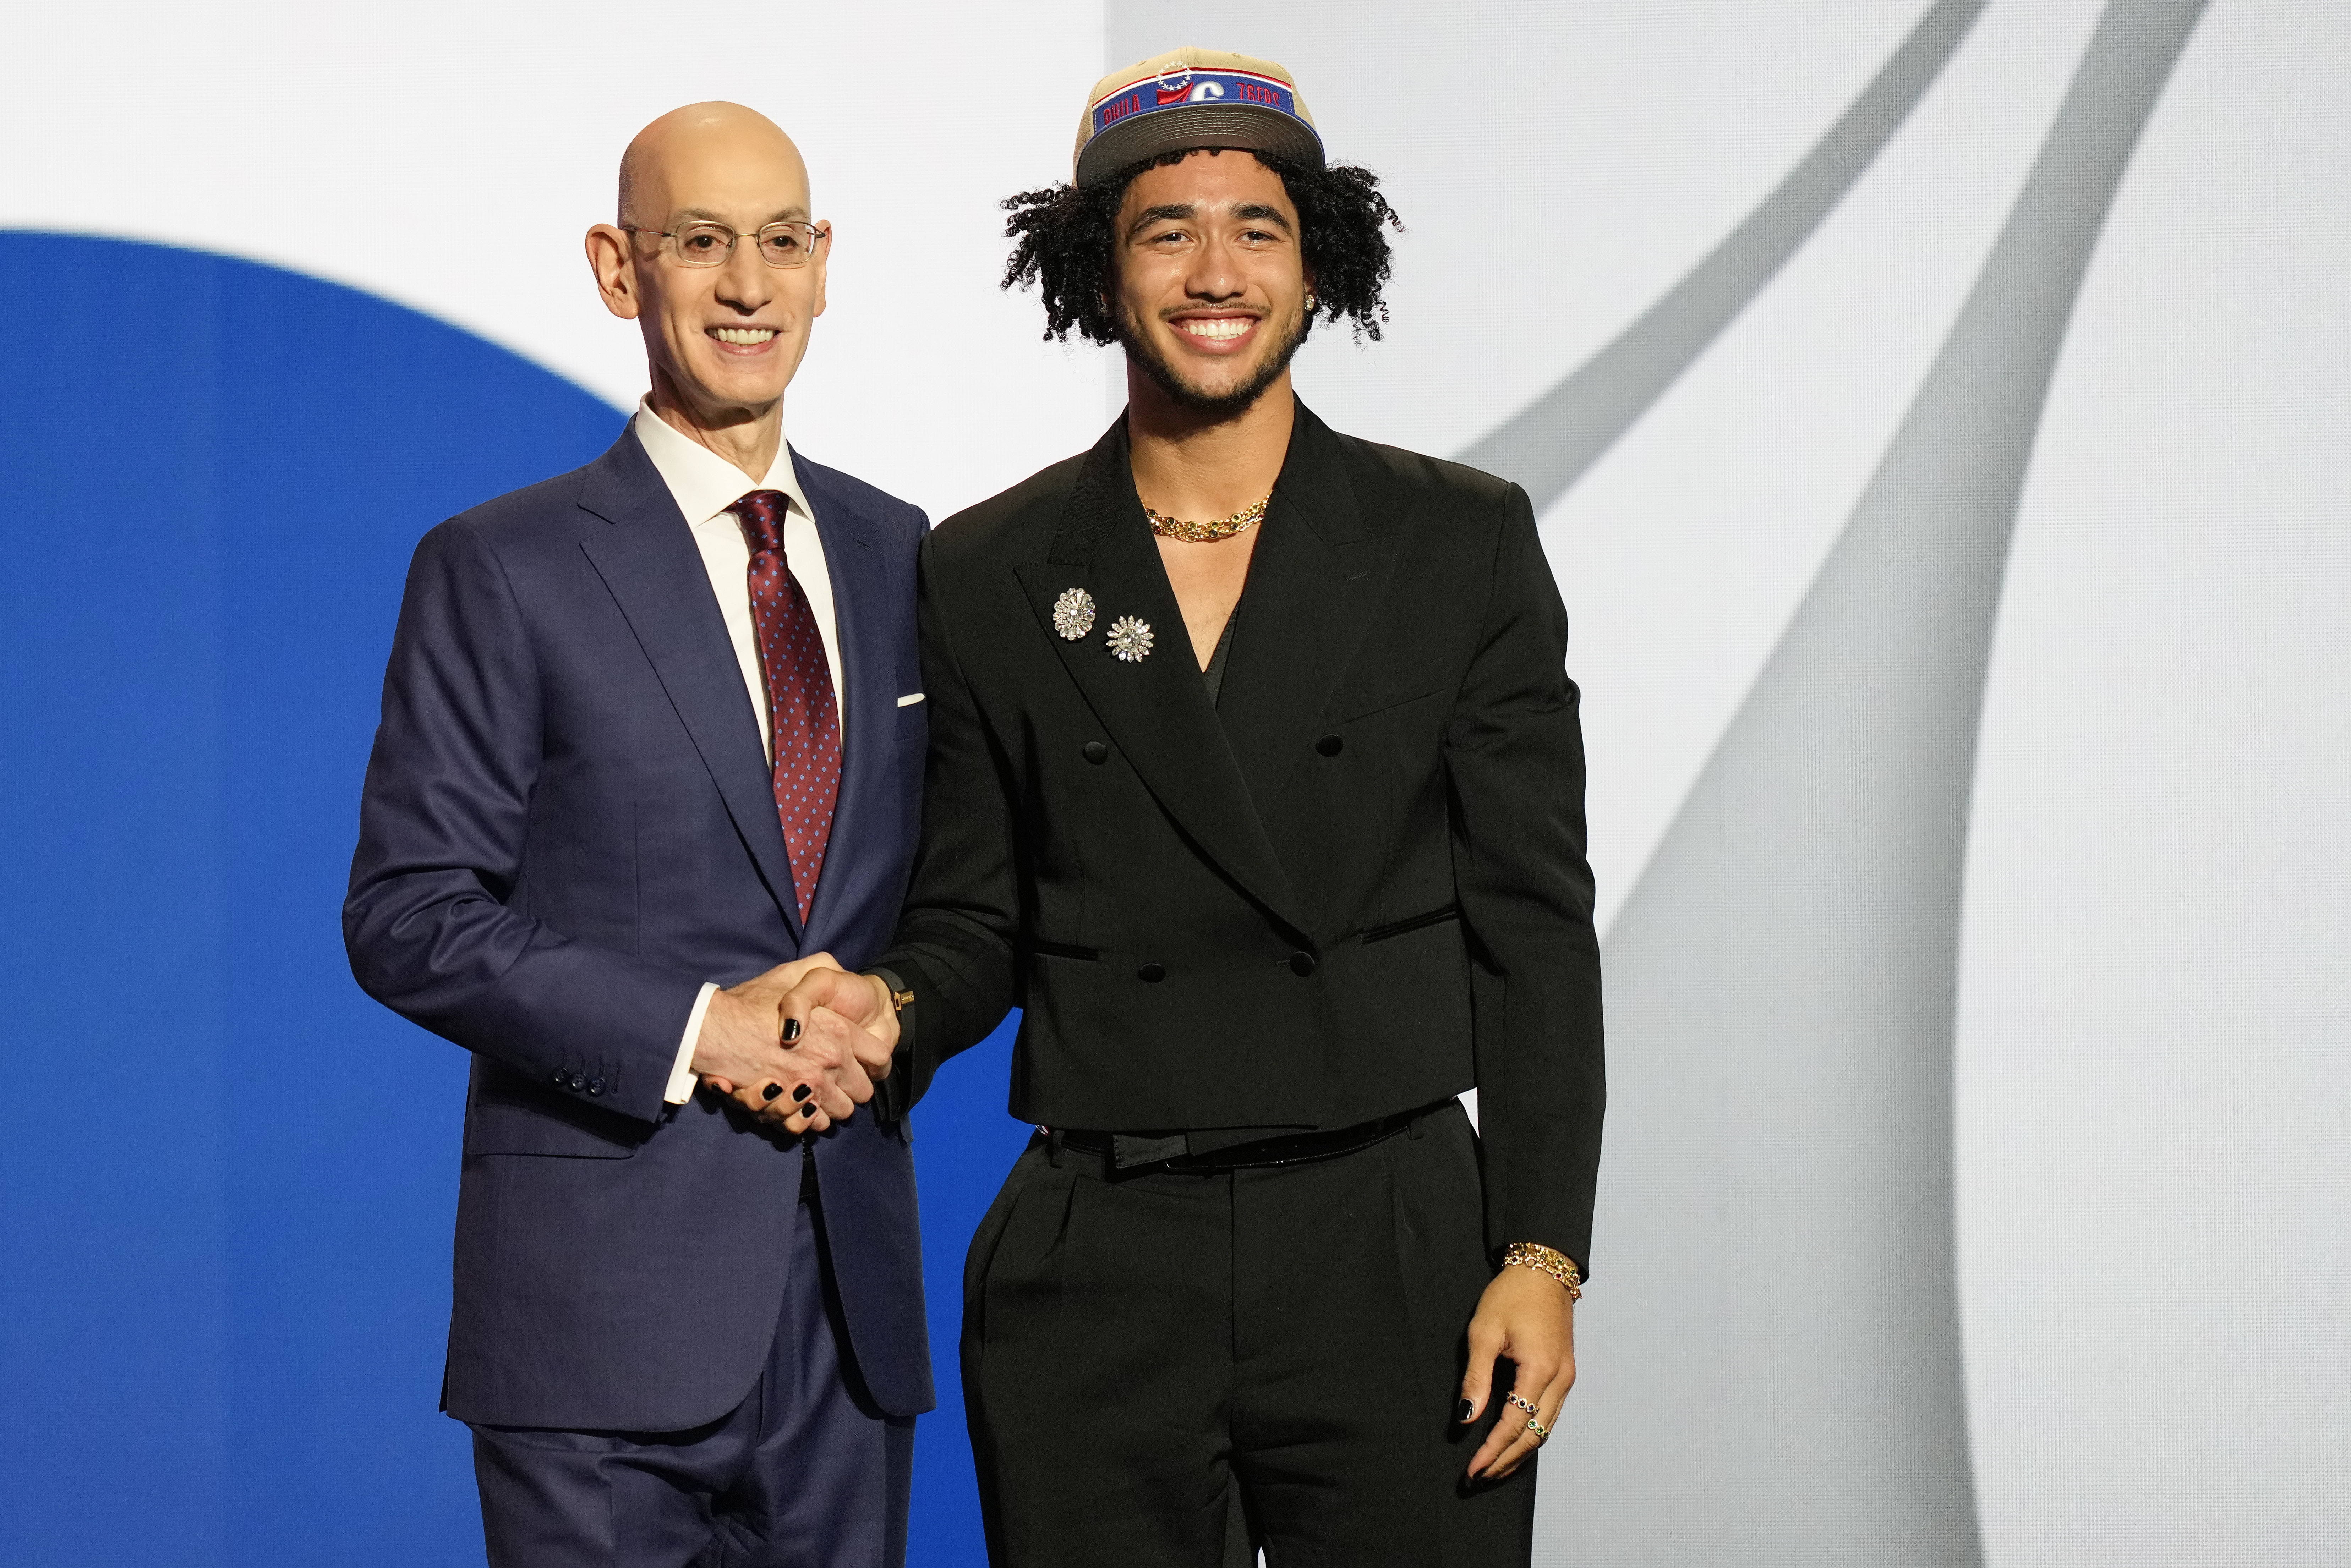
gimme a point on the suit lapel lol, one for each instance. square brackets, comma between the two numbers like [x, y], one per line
[1320, 571]
[1157, 708]
[653, 571]
[869, 758]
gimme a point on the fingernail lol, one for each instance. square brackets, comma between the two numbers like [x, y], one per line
[771, 1090]
[792, 1031]
[802, 1092]
[1465, 1411]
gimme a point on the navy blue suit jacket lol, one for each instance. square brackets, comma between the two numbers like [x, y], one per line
[567, 827]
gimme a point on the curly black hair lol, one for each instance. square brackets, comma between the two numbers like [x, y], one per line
[1066, 236]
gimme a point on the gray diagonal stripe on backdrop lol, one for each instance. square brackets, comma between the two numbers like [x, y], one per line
[1547, 445]
[1772, 1353]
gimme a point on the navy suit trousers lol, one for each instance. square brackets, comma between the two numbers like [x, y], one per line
[806, 1473]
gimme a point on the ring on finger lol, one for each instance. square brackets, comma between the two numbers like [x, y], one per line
[1524, 1404]
[1538, 1431]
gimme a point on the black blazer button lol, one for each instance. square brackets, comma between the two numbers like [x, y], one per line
[558, 1079]
[595, 1086]
[1329, 746]
[1302, 964]
[1152, 973]
[1096, 752]
[580, 1080]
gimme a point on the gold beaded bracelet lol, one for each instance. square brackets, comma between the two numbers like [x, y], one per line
[1544, 1259]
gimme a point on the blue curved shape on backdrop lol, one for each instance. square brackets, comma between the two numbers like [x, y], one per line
[229, 1179]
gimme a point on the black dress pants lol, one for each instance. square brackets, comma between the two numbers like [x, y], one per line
[1145, 1352]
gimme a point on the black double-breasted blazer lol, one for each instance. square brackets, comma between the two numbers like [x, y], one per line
[1352, 885]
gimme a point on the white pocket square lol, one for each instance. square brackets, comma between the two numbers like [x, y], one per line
[910, 699]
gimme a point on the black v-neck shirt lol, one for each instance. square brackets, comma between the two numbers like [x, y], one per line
[1214, 674]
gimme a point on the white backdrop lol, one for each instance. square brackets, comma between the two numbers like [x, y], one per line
[2146, 1161]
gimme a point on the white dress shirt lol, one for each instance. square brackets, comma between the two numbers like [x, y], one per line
[704, 485]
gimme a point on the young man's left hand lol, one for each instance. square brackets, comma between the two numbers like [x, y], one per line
[1531, 1319]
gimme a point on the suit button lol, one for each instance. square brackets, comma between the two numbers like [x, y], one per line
[1302, 964]
[1152, 973]
[558, 1079]
[595, 1086]
[1097, 753]
[1329, 746]
[579, 1081]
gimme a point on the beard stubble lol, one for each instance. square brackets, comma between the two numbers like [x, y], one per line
[1140, 350]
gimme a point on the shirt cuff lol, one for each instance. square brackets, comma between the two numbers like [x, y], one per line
[681, 1074]
[889, 1094]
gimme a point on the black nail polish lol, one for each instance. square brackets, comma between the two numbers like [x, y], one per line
[801, 1092]
[1465, 1411]
[771, 1090]
[792, 1031]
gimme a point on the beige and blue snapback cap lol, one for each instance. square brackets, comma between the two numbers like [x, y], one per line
[1192, 97]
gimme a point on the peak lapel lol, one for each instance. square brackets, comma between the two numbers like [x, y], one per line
[1157, 709]
[653, 571]
[1320, 571]
[868, 705]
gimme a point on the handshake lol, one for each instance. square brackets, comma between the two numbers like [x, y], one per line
[801, 1046]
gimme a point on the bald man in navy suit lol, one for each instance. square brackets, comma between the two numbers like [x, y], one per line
[652, 744]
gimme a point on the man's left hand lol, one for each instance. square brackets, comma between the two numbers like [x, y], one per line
[1531, 1319]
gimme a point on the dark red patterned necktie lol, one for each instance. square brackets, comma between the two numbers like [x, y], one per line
[801, 708]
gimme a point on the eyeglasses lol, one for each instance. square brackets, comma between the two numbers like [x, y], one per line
[710, 244]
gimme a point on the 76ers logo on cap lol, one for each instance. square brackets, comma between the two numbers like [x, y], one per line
[1183, 89]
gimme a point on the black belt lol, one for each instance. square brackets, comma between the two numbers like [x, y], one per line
[1129, 1150]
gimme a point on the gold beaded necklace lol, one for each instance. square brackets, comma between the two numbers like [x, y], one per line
[1169, 527]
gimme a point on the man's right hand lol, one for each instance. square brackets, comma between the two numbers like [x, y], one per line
[862, 999]
[807, 1084]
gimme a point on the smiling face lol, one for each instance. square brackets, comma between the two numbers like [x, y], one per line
[1210, 280]
[721, 341]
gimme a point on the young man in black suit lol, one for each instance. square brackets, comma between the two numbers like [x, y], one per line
[1255, 777]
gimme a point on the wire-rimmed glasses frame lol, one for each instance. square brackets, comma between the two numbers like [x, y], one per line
[781, 243]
